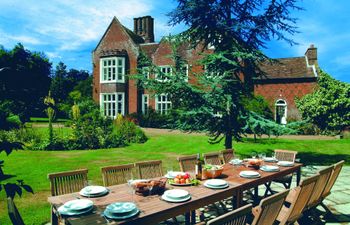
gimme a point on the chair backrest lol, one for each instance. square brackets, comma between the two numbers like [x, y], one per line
[212, 158]
[14, 215]
[268, 209]
[320, 185]
[149, 169]
[187, 163]
[336, 171]
[112, 175]
[285, 155]
[236, 217]
[227, 155]
[299, 197]
[67, 182]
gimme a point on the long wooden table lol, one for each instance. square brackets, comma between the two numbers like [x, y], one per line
[154, 209]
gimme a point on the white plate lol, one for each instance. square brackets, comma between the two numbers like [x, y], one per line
[164, 197]
[121, 207]
[173, 174]
[285, 163]
[111, 215]
[249, 174]
[270, 159]
[215, 187]
[176, 194]
[216, 182]
[268, 168]
[78, 204]
[76, 207]
[236, 161]
[93, 191]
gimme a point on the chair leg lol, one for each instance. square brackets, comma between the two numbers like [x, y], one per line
[54, 218]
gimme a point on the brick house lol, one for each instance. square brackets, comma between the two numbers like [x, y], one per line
[117, 53]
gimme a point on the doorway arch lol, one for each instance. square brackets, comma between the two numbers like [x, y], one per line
[281, 111]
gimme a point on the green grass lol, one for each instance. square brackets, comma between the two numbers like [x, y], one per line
[45, 120]
[33, 166]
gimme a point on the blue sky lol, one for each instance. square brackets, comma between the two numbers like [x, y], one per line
[68, 30]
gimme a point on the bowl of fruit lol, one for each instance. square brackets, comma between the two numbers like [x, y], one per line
[182, 179]
[212, 171]
[255, 163]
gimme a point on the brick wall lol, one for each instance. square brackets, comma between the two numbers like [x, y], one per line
[287, 90]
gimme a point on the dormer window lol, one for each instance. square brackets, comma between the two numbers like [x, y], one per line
[112, 69]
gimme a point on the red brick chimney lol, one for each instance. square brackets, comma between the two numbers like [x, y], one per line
[311, 54]
[143, 26]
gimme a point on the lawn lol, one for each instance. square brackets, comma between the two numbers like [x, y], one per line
[33, 166]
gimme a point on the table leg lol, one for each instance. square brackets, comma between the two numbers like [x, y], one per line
[193, 217]
[237, 199]
[188, 218]
[298, 176]
[256, 195]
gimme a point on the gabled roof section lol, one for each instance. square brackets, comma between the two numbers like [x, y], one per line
[283, 68]
[134, 37]
[149, 49]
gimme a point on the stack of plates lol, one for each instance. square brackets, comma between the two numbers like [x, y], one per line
[285, 163]
[249, 174]
[173, 174]
[236, 161]
[76, 207]
[93, 191]
[121, 210]
[216, 184]
[270, 159]
[268, 168]
[176, 195]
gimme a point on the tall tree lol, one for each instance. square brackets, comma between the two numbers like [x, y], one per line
[24, 80]
[59, 83]
[238, 30]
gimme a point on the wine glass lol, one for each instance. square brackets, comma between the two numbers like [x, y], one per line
[253, 154]
[212, 172]
[87, 188]
[131, 187]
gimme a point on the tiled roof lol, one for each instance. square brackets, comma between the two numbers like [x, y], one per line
[136, 38]
[149, 48]
[286, 68]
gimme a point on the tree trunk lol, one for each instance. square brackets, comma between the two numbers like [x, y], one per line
[228, 141]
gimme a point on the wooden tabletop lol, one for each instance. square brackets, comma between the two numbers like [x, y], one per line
[154, 210]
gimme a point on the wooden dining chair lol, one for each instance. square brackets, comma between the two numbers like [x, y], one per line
[212, 158]
[13, 213]
[187, 163]
[67, 182]
[286, 181]
[149, 169]
[227, 155]
[113, 175]
[296, 201]
[268, 209]
[236, 217]
[320, 186]
[334, 176]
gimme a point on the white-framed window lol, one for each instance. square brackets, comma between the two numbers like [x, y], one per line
[145, 103]
[185, 69]
[163, 103]
[165, 70]
[112, 69]
[112, 104]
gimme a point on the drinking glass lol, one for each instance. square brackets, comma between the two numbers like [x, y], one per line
[87, 183]
[131, 187]
[212, 173]
[169, 171]
[253, 154]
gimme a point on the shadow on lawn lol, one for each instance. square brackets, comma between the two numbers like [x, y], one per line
[312, 158]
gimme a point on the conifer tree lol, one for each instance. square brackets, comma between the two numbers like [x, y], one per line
[237, 30]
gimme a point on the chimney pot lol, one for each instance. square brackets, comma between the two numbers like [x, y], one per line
[143, 26]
